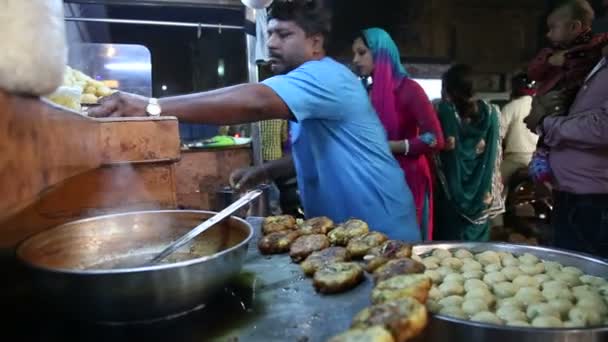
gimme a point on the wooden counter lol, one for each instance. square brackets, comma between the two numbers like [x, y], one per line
[58, 166]
[200, 173]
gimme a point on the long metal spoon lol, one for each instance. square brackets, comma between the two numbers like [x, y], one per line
[177, 244]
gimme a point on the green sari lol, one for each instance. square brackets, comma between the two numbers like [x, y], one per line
[465, 173]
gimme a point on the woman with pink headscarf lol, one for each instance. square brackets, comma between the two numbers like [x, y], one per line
[406, 113]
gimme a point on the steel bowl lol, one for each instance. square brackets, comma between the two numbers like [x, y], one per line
[444, 328]
[91, 268]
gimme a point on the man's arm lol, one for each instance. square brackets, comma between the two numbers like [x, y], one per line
[226, 106]
[588, 130]
[278, 169]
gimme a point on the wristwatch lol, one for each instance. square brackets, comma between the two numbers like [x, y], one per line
[153, 108]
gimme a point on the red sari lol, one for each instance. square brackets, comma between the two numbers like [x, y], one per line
[415, 115]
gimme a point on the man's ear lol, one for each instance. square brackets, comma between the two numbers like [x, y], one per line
[318, 42]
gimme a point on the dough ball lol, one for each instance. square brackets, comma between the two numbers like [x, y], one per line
[505, 289]
[463, 254]
[451, 289]
[514, 302]
[429, 265]
[585, 316]
[542, 278]
[474, 305]
[554, 284]
[525, 281]
[529, 295]
[473, 275]
[542, 310]
[528, 259]
[512, 261]
[434, 293]
[593, 303]
[481, 293]
[442, 253]
[474, 283]
[532, 269]
[551, 266]
[453, 311]
[444, 271]
[563, 306]
[574, 324]
[432, 259]
[573, 270]
[435, 276]
[454, 277]
[551, 293]
[453, 263]
[493, 268]
[494, 278]
[547, 322]
[471, 266]
[511, 272]
[486, 317]
[570, 278]
[451, 301]
[511, 313]
[488, 257]
[593, 281]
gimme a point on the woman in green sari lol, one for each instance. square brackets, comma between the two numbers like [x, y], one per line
[466, 168]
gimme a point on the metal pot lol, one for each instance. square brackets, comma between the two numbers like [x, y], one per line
[89, 268]
[443, 328]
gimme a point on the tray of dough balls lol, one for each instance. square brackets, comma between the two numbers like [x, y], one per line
[522, 292]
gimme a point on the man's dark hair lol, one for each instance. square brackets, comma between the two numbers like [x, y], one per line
[579, 10]
[311, 15]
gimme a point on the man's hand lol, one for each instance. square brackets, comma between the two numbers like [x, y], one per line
[248, 177]
[120, 104]
[550, 104]
[558, 59]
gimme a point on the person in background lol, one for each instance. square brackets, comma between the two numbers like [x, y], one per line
[274, 136]
[519, 143]
[406, 113]
[467, 167]
[339, 150]
[574, 52]
[579, 159]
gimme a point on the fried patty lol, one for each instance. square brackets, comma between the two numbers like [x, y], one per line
[321, 258]
[397, 267]
[405, 318]
[338, 277]
[273, 224]
[416, 286]
[305, 245]
[359, 246]
[278, 242]
[346, 231]
[373, 334]
[317, 225]
[391, 249]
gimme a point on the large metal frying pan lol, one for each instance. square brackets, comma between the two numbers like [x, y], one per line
[90, 269]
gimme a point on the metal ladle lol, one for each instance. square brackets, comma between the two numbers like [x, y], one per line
[201, 228]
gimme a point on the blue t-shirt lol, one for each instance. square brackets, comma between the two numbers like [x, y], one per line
[343, 162]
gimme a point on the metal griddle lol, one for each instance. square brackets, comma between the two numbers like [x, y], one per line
[270, 301]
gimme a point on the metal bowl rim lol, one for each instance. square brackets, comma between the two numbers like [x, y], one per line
[454, 245]
[98, 272]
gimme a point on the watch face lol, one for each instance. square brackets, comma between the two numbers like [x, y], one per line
[153, 109]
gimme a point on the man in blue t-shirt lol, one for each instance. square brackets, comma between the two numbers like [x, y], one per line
[340, 152]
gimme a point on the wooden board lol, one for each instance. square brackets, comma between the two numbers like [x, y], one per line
[200, 173]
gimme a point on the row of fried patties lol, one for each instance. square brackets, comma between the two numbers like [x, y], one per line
[337, 256]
